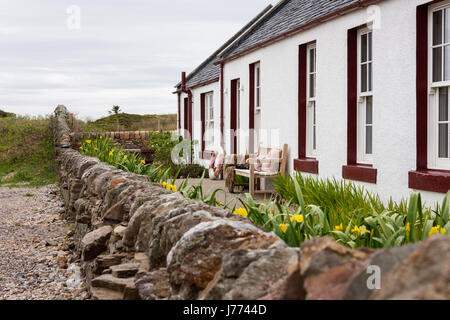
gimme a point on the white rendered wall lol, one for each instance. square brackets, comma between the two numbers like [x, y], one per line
[394, 49]
[196, 117]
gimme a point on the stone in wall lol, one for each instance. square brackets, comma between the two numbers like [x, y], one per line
[196, 258]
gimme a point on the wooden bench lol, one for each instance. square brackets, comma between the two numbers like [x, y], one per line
[268, 163]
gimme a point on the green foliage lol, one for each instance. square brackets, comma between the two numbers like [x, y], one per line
[163, 144]
[4, 114]
[372, 226]
[115, 110]
[130, 122]
[192, 170]
[195, 192]
[341, 200]
[106, 151]
[27, 149]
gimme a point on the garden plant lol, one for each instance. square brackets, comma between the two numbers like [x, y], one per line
[306, 207]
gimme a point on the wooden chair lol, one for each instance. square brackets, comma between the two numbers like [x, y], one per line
[256, 171]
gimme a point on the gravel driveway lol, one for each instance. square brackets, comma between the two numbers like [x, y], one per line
[35, 251]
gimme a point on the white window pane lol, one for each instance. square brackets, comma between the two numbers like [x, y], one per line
[447, 63]
[364, 48]
[369, 110]
[447, 25]
[370, 46]
[369, 139]
[364, 78]
[258, 79]
[312, 85]
[258, 97]
[443, 104]
[370, 76]
[437, 27]
[437, 64]
[312, 60]
[443, 141]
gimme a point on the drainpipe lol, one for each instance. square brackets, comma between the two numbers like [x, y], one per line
[222, 106]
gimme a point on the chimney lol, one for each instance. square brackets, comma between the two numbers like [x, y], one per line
[183, 81]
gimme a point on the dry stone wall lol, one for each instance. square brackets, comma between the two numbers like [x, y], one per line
[137, 240]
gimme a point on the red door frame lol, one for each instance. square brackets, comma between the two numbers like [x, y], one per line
[234, 115]
[251, 124]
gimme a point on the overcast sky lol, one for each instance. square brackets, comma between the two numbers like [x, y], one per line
[127, 53]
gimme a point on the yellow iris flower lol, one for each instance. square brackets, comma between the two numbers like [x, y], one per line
[298, 218]
[283, 227]
[241, 212]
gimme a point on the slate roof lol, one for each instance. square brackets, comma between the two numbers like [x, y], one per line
[208, 71]
[287, 16]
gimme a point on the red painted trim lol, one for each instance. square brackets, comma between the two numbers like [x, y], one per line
[430, 180]
[423, 178]
[186, 116]
[302, 83]
[179, 111]
[190, 113]
[352, 95]
[222, 105]
[251, 124]
[202, 115]
[205, 83]
[183, 81]
[332, 15]
[360, 173]
[422, 87]
[308, 165]
[233, 118]
[353, 170]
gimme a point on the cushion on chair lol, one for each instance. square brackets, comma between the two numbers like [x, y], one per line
[272, 166]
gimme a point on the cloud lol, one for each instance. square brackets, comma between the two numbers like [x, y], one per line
[129, 53]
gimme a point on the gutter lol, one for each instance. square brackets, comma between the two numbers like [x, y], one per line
[340, 12]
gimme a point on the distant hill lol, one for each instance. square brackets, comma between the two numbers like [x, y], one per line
[4, 114]
[132, 122]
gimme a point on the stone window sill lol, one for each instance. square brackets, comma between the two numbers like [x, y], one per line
[430, 180]
[358, 172]
[308, 165]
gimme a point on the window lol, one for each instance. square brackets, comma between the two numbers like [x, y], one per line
[365, 92]
[311, 124]
[209, 119]
[439, 148]
[258, 86]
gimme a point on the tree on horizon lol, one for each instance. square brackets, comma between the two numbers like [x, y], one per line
[115, 110]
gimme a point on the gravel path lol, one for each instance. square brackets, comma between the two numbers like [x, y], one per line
[36, 261]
